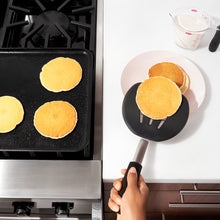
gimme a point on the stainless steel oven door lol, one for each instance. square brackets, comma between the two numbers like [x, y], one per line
[32, 189]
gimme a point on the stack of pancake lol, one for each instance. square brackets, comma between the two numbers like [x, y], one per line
[160, 95]
[172, 72]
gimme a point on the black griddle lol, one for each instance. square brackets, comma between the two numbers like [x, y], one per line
[19, 77]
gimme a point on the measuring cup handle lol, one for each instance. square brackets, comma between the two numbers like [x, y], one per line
[215, 42]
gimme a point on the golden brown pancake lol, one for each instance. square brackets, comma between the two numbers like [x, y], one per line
[61, 74]
[11, 113]
[185, 86]
[55, 119]
[158, 97]
[168, 70]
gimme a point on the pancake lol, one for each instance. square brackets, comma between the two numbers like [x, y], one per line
[11, 113]
[185, 86]
[61, 74]
[158, 97]
[55, 119]
[168, 70]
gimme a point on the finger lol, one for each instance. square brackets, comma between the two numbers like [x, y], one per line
[117, 184]
[115, 196]
[141, 179]
[142, 186]
[123, 171]
[132, 177]
[144, 190]
[113, 206]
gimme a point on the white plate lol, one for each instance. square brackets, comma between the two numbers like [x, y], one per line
[137, 71]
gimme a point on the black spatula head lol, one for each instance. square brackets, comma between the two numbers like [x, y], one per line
[145, 129]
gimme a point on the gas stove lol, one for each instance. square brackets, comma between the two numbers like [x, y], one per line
[41, 178]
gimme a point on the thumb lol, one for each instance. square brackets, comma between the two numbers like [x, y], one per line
[132, 177]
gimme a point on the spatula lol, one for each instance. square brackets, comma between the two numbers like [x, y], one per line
[153, 129]
[145, 127]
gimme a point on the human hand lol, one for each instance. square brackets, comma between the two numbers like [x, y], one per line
[133, 203]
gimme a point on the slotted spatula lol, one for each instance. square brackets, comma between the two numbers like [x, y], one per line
[145, 127]
[152, 129]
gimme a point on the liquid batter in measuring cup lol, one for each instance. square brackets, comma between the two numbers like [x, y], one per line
[190, 25]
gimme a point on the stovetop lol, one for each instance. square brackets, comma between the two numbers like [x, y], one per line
[60, 179]
[49, 25]
[53, 184]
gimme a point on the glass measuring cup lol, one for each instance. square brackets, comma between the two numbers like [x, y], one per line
[190, 25]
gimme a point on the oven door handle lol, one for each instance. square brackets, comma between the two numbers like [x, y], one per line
[197, 193]
[40, 217]
[196, 205]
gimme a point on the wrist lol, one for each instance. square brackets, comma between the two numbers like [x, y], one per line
[139, 216]
[142, 217]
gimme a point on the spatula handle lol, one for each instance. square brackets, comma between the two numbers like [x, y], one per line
[138, 168]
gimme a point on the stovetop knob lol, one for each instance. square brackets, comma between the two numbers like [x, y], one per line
[62, 208]
[22, 208]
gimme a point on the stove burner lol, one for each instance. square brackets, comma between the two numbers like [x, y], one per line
[52, 29]
[48, 24]
[49, 20]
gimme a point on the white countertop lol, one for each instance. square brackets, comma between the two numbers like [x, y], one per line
[134, 27]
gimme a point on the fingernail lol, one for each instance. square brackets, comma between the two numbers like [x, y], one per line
[118, 186]
[132, 170]
[116, 208]
[118, 201]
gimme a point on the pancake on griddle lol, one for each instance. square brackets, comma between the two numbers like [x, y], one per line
[11, 113]
[61, 74]
[55, 119]
[158, 97]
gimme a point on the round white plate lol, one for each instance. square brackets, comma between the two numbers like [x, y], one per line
[137, 71]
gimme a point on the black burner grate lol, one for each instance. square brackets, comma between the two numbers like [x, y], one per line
[48, 24]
